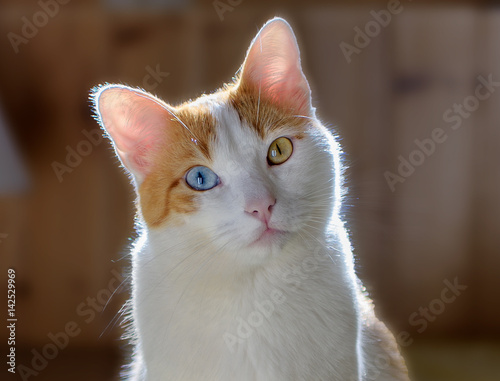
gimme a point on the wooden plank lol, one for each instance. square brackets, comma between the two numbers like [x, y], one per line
[485, 248]
[352, 94]
[434, 67]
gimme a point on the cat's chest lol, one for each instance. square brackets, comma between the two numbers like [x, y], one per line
[261, 330]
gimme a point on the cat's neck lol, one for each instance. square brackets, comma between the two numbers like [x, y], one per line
[183, 264]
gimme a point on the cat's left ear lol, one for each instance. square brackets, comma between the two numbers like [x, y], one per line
[136, 122]
[272, 67]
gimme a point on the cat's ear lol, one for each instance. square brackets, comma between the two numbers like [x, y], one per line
[136, 122]
[272, 66]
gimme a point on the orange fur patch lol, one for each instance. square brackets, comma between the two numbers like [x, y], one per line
[386, 345]
[263, 115]
[164, 194]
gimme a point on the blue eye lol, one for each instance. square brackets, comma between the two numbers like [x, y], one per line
[201, 178]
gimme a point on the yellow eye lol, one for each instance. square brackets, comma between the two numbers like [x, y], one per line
[279, 151]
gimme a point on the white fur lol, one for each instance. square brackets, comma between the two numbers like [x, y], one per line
[194, 284]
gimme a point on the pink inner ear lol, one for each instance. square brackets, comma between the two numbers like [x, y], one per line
[136, 122]
[273, 65]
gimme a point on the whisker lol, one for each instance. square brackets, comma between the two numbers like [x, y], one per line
[304, 117]
[114, 320]
[182, 123]
[258, 103]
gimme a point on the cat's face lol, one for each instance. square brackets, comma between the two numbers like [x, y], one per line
[244, 169]
[263, 189]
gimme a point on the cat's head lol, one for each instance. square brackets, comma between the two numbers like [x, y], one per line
[245, 168]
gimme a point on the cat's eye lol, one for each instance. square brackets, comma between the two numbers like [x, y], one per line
[201, 178]
[279, 151]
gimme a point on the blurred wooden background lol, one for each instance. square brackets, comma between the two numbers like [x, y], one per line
[64, 238]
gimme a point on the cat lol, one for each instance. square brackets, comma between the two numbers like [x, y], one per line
[243, 269]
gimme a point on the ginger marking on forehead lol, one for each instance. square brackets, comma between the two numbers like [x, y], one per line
[263, 115]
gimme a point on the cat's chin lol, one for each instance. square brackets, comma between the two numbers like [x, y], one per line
[269, 238]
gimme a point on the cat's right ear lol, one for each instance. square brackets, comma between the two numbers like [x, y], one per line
[272, 67]
[136, 122]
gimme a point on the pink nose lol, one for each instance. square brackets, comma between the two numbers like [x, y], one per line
[261, 208]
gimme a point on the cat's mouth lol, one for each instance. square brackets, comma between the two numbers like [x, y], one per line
[268, 237]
